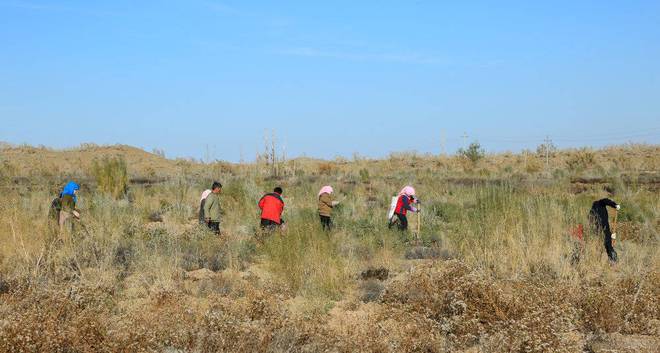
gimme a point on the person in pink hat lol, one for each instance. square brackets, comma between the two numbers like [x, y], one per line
[326, 204]
[406, 200]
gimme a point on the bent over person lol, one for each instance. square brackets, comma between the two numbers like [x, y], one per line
[68, 210]
[600, 223]
[272, 206]
[404, 203]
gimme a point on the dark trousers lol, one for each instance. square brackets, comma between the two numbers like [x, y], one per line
[214, 226]
[326, 222]
[602, 227]
[267, 224]
[611, 253]
[402, 224]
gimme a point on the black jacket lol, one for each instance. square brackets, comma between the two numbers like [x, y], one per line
[598, 214]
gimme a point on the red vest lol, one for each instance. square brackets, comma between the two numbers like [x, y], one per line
[399, 209]
[271, 206]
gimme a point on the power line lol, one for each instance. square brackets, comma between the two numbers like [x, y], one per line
[593, 137]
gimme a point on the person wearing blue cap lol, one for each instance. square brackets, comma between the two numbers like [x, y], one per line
[69, 199]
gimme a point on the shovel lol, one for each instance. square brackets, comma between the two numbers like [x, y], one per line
[419, 225]
[616, 213]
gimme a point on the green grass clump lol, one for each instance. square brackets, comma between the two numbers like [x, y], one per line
[111, 176]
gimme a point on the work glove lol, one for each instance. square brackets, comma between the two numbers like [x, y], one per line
[335, 203]
[414, 209]
[618, 207]
[614, 236]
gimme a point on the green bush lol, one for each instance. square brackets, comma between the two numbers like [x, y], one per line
[364, 176]
[473, 153]
[307, 261]
[444, 211]
[111, 176]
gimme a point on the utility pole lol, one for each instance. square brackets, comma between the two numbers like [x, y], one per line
[272, 151]
[547, 142]
[266, 157]
[465, 136]
[443, 141]
[283, 159]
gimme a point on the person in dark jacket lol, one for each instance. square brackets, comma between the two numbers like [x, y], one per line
[404, 204]
[272, 206]
[600, 223]
[212, 209]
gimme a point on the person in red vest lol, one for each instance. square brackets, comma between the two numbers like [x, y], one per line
[403, 205]
[271, 206]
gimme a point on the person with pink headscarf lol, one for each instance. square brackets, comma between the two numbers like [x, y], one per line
[326, 204]
[404, 203]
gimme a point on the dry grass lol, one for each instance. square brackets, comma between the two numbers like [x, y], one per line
[502, 279]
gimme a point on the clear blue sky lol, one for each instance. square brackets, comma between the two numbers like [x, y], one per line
[332, 78]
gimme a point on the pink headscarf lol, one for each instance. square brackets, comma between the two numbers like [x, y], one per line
[408, 191]
[326, 190]
[205, 194]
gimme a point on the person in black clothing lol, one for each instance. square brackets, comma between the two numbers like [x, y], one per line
[599, 221]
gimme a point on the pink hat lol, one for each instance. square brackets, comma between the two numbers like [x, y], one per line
[326, 190]
[408, 191]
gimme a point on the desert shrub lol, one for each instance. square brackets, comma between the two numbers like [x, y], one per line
[111, 176]
[558, 174]
[158, 152]
[444, 211]
[199, 249]
[371, 290]
[580, 160]
[124, 256]
[7, 170]
[246, 250]
[364, 176]
[474, 152]
[327, 168]
[307, 262]
[546, 149]
[633, 212]
[533, 166]
[508, 316]
[240, 192]
[178, 205]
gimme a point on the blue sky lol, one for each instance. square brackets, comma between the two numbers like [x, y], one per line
[332, 78]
